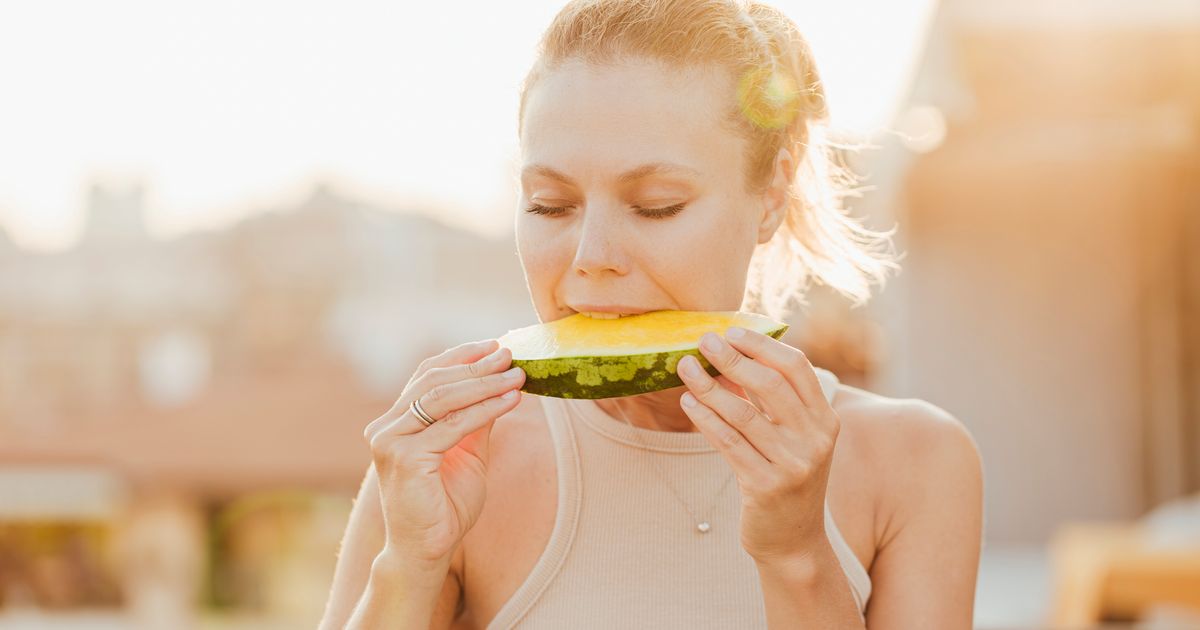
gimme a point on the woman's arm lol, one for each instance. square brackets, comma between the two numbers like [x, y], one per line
[770, 419]
[927, 554]
[927, 487]
[930, 497]
[813, 589]
[405, 533]
[363, 579]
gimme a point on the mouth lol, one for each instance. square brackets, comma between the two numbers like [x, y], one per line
[606, 312]
[600, 315]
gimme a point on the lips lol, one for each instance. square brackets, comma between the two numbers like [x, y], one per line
[606, 311]
[602, 315]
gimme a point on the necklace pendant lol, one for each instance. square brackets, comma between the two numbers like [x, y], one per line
[703, 527]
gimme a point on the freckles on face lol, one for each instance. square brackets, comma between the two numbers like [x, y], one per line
[702, 256]
[545, 252]
[588, 135]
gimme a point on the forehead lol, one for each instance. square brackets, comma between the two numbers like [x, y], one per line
[582, 115]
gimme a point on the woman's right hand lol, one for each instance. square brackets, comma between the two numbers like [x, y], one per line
[433, 480]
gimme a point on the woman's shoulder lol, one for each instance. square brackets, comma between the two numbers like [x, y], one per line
[907, 447]
[520, 439]
[904, 425]
[521, 483]
[514, 429]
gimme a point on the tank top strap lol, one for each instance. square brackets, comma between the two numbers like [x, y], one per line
[860, 581]
[856, 573]
[829, 382]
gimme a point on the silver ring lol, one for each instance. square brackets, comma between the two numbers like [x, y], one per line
[420, 413]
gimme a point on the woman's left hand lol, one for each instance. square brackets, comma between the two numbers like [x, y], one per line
[779, 440]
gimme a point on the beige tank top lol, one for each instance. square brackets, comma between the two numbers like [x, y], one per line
[625, 554]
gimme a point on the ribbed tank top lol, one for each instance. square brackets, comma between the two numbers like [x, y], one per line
[624, 553]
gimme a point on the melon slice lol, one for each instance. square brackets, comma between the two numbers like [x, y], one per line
[581, 357]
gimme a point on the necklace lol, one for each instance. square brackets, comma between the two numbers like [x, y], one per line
[702, 525]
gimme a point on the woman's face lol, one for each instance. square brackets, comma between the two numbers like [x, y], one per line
[632, 192]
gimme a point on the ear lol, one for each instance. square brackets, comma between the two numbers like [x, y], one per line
[775, 198]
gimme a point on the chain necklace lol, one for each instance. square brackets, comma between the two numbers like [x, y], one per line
[702, 525]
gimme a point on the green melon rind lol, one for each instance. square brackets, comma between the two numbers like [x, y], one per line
[610, 376]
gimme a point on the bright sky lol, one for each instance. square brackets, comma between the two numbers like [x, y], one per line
[226, 107]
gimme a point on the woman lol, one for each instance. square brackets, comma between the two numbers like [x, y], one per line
[671, 160]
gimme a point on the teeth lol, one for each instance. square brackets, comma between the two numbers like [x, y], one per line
[596, 315]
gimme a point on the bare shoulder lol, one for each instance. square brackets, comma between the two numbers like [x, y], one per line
[520, 480]
[519, 432]
[907, 427]
[520, 453]
[914, 466]
[913, 451]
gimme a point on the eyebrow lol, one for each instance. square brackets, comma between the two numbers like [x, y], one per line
[633, 174]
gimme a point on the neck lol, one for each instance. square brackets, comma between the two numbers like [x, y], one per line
[656, 411]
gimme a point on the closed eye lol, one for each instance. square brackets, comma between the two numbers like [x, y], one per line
[552, 211]
[660, 213]
[650, 213]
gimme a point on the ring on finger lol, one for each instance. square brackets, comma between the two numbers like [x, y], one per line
[420, 412]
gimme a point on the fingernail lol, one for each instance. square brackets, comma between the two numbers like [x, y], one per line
[495, 354]
[509, 395]
[688, 366]
[687, 399]
[512, 373]
[710, 342]
[735, 333]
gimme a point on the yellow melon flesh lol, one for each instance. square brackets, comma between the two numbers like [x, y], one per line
[581, 357]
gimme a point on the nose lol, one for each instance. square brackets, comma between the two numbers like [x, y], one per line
[600, 250]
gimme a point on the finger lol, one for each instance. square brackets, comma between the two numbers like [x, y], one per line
[790, 362]
[449, 431]
[432, 377]
[771, 389]
[492, 363]
[733, 387]
[460, 354]
[747, 462]
[739, 391]
[732, 410]
[403, 422]
[465, 353]
[443, 399]
[441, 402]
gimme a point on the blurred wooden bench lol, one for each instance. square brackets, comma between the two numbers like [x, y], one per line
[1109, 572]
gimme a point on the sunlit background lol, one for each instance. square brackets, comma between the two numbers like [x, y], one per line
[214, 217]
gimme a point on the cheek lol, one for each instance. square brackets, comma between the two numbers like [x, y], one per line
[528, 249]
[705, 262]
[543, 255]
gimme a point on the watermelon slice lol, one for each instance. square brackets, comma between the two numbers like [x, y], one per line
[581, 357]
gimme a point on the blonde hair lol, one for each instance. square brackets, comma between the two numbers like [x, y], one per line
[779, 102]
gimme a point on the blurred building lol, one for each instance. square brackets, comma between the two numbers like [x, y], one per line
[1053, 246]
[1048, 196]
[145, 384]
